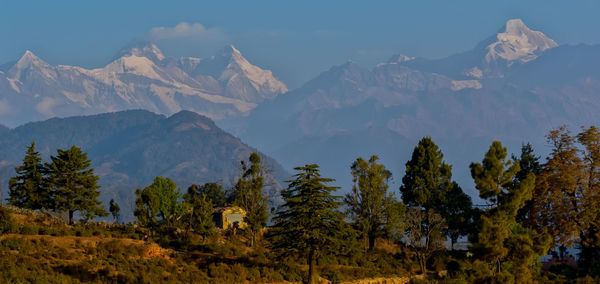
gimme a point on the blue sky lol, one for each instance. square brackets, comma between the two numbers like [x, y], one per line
[296, 40]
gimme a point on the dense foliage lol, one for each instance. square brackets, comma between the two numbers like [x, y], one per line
[375, 212]
[308, 225]
[531, 209]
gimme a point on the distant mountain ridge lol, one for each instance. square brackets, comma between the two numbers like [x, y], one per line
[514, 86]
[141, 77]
[129, 148]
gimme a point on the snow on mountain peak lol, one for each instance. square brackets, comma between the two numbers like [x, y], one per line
[229, 50]
[138, 65]
[27, 61]
[239, 66]
[142, 49]
[518, 42]
[399, 59]
[151, 51]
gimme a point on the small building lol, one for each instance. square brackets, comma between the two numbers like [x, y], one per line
[228, 217]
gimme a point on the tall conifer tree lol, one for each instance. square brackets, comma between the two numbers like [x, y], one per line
[428, 183]
[74, 184]
[308, 224]
[500, 238]
[29, 189]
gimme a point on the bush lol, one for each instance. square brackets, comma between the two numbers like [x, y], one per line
[12, 243]
[29, 230]
[7, 224]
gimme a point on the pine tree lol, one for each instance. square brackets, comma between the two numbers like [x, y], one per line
[201, 209]
[74, 184]
[529, 164]
[372, 208]
[249, 196]
[29, 189]
[307, 225]
[428, 183]
[500, 238]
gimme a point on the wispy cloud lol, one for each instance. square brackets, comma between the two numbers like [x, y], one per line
[185, 30]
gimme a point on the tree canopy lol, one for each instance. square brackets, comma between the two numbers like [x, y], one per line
[428, 183]
[250, 197]
[29, 189]
[74, 184]
[308, 223]
[375, 211]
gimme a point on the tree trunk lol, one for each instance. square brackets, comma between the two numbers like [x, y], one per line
[311, 268]
[70, 217]
[371, 242]
[422, 263]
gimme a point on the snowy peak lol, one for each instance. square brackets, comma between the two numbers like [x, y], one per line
[237, 70]
[399, 59]
[518, 43]
[230, 51]
[132, 64]
[29, 59]
[28, 63]
[148, 50]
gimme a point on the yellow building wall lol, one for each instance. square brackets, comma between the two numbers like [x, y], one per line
[227, 223]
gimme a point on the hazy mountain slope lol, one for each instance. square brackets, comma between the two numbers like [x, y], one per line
[140, 77]
[527, 86]
[128, 149]
[514, 44]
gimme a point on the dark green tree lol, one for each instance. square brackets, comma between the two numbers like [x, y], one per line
[29, 189]
[529, 164]
[213, 192]
[159, 204]
[7, 223]
[372, 208]
[114, 210]
[199, 216]
[250, 197]
[146, 208]
[501, 241]
[308, 223]
[74, 184]
[428, 183]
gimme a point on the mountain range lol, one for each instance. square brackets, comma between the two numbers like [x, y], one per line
[128, 149]
[513, 86]
[140, 77]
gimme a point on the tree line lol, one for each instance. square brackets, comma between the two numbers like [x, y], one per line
[66, 184]
[531, 207]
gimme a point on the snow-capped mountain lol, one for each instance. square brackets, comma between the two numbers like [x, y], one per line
[526, 85]
[514, 44]
[140, 77]
[518, 43]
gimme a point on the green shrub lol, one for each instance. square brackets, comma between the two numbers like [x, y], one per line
[7, 223]
[12, 243]
[29, 230]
